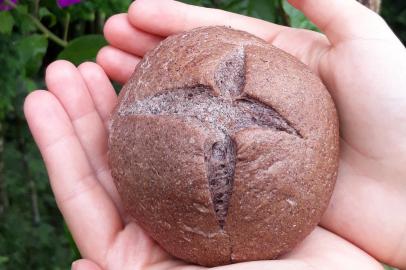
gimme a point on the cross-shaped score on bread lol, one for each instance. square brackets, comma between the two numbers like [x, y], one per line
[227, 113]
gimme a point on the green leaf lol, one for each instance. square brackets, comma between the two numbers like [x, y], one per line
[9, 62]
[297, 18]
[22, 9]
[24, 22]
[263, 9]
[83, 48]
[31, 51]
[6, 22]
[29, 84]
[45, 13]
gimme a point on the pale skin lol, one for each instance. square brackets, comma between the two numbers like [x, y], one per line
[359, 59]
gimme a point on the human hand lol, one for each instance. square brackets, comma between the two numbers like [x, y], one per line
[363, 65]
[73, 142]
[69, 124]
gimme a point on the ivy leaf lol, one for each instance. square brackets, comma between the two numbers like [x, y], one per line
[6, 22]
[83, 48]
[31, 51]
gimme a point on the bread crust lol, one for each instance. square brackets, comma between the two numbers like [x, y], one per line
[284, 172]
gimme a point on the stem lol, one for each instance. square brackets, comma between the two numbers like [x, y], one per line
[48, 33]
[36, 7]
[42, 27]
[66, 28]
[100, 21]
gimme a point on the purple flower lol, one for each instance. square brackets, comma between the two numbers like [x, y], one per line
[5, 6]
[65, 3]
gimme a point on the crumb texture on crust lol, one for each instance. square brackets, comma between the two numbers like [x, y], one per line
[223, 147]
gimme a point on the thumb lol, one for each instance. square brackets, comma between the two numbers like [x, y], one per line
[84, 264]
[343, 20]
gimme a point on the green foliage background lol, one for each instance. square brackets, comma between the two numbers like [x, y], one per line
[32, 231]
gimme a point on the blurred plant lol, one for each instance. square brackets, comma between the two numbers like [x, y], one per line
[277, 11]
[34, 33]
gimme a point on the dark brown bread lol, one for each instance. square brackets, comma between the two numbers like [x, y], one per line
[223, 147]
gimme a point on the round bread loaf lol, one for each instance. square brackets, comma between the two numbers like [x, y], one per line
[224, 148]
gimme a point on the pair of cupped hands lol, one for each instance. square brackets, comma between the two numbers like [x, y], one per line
[359, 59]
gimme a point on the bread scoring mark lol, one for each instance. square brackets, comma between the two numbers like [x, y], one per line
[229, 76]
[224, 115]
[265, 116]
[220, 160]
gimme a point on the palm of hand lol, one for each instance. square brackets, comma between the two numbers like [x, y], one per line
[77, 111]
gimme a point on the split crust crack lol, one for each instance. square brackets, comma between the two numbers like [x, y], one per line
[223, 115]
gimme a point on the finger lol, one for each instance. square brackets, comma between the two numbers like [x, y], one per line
[102, 92]
[84, 264]
[122, 35]
[175, 17]
[89, 212]
[167, 17]
[66, 83]
[105, 99]
[118, 65]
[343, 20]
